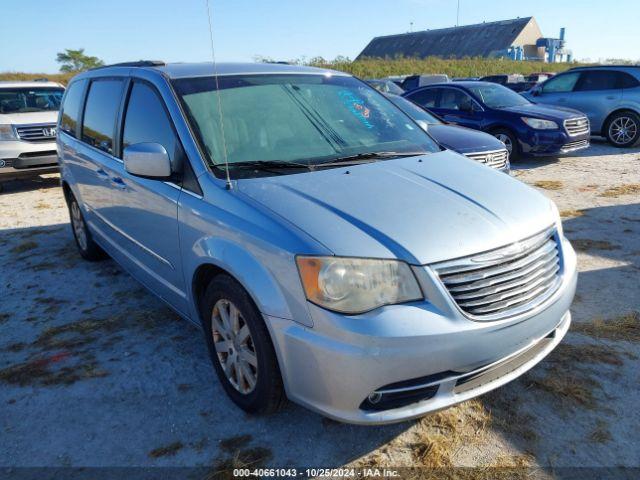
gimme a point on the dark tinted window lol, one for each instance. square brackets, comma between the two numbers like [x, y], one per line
[71, 108]
[146, 120]
[103, 102]
[427, 98]
[410, 83]
[627, 81]
[597, 80]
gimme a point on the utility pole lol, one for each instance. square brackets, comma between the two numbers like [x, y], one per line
[458, 15]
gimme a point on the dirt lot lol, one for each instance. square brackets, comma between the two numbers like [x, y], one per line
[94, 371]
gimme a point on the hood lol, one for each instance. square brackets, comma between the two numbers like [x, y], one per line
[464, 140]
[419, 209]
[29, 117]
[546, 112]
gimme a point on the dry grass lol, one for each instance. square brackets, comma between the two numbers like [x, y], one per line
[166, 450]
[549, 184]
[571, 213]
[600, 433]
[44, 371]
[438, 437]
[586, 244]
[628, 189]
[507, 415]
[24, 247]
[254, 457]
[624, 327]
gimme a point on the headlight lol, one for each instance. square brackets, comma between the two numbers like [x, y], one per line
[539, 124]
[7, 133]
[357, 285]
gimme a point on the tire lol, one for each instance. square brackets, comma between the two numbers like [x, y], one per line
[88, 248]
[623, 129]
[509, 139]
[254, 388]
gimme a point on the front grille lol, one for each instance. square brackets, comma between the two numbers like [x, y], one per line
[506, 281]
[45, 132]
[495, 159]
[577, 126]
[572, 146]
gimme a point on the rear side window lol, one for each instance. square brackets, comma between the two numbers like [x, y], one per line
[597, 80]
[426, 98]
[100, 112]
[561, 83]
[146, 121]
[71, 108]
[451, 99]
[627, 81]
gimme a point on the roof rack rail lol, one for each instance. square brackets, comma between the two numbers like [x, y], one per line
[138, 63]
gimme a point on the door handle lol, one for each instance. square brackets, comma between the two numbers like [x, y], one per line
[118, 183]
[610, 97]
[102, 173]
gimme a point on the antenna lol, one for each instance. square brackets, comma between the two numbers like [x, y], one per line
[215, 72]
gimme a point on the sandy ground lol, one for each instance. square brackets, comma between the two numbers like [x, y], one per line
[94, 371]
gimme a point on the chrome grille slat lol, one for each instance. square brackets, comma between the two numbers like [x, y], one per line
[577, 126]
[504, 295]
[35, 133]
[544, 270]
[497, 279]
[514, 278]
[494, 159]
[520, 262]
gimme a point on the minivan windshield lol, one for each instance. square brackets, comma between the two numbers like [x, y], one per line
[296, 118]
[25, 100]
[497, 96]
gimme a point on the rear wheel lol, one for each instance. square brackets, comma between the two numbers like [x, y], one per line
[623, 129]
[510, 142]
[240, 347]
[89, 250]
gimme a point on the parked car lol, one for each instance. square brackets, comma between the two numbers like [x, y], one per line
[332, 252]
[416, 81]
[478, 146]
[525, 128]
[464, 79]
[385, 86]
[608, 95]
[536, 78]
[515, 81]
[28, 114]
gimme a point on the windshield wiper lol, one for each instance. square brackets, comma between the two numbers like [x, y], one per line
[371, 156]
[264, 165]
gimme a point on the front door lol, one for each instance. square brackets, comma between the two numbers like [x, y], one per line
[145, 211]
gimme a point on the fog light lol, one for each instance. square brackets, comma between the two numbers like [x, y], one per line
[374, 397]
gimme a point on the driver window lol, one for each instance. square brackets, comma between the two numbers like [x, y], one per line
[453, 99]
[561, 83]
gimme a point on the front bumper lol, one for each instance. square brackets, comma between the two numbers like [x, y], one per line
[335, 366]
[19, 159]
[555, 142]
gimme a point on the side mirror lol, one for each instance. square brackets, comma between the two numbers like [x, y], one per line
[535, 91]
[149, 160]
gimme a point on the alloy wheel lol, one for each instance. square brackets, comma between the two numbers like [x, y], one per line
[78, 225]
[234, 346]
[507, 142]
[623, 130]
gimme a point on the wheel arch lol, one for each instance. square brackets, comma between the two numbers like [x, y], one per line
[606, 121]
[224, 257]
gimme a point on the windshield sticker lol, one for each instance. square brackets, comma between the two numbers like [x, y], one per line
[356, 106]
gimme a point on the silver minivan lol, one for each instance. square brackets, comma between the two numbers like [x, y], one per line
[333, 253]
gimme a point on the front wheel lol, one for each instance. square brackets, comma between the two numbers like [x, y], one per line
[510, 142]
[623, 129]
[240, 347]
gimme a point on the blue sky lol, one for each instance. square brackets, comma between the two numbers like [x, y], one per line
[177, 30]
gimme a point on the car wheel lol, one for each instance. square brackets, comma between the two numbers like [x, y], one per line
[510, 141]
[240, 347]
[623, 129]
[89, 250]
